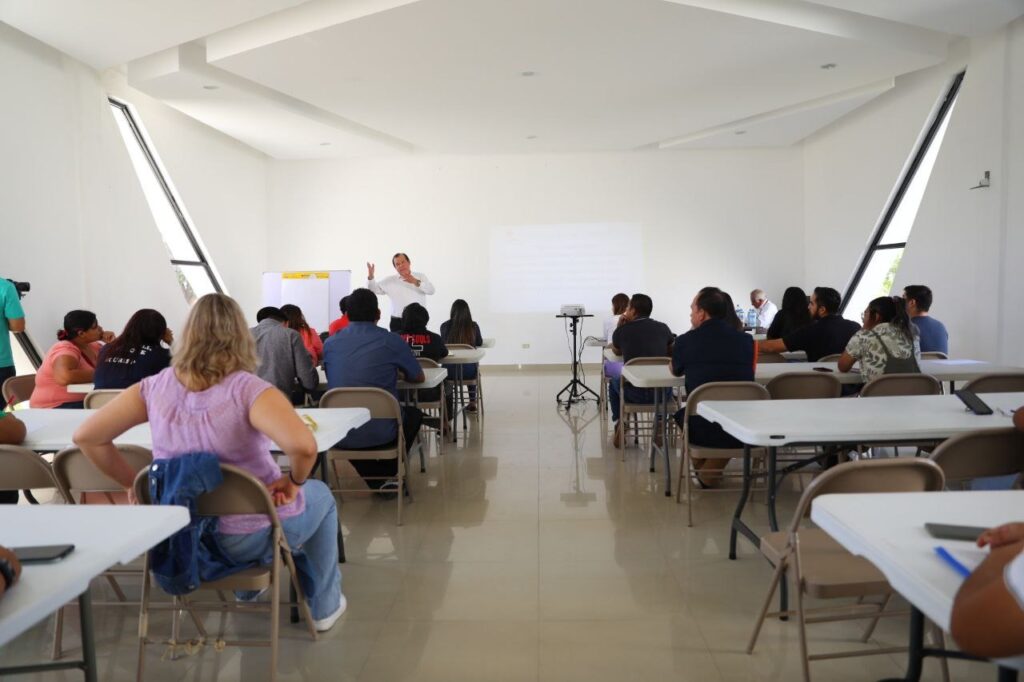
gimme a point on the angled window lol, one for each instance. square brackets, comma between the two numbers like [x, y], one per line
[192, 267]
[877, 269]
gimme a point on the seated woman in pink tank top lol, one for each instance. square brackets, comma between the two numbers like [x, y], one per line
[72, 360]
[209, 400]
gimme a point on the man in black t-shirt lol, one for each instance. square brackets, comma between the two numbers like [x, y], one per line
[637, 336]
[826, 335]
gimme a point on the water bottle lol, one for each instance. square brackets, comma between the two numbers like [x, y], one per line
[739, 313]
[752, 317]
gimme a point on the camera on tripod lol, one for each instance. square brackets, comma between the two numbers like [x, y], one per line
[21, 287]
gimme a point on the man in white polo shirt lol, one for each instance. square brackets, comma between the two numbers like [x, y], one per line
[766, 310]
[404, 288]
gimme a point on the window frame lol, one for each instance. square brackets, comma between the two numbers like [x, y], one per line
[125, 109]
[908, 177]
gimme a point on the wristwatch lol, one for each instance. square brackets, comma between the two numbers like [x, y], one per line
[7, 571]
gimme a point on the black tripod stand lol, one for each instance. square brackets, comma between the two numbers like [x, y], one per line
[576, 389]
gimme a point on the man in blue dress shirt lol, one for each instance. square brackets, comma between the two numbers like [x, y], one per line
[364, 355]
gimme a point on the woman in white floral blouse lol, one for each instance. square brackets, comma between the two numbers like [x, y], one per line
[886, 328]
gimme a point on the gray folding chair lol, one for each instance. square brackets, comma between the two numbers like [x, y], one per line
[642, 414]
[804, 385]
[934, 355]
[723, 390]
[382, 405]
[240, 493]
[97, 398]
[901, 384]
[822, 568]
[18, 389]
[981, 454]
[834, 357]
[998, 383]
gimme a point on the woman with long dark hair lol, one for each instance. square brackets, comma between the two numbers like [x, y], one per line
[310, 339]
[793, 315]
[136, 353]
[887, 333]
[461, 328]
[72, 360]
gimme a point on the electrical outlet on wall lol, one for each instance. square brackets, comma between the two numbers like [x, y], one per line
[525, 346]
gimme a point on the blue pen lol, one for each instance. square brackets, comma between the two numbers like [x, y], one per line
[953, 561]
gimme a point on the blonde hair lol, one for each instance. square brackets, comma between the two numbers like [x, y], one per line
[214, 343]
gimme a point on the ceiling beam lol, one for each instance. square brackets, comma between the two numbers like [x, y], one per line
[290, 23]
[831, 21]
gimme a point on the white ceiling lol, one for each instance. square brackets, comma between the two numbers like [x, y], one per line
[387, 76]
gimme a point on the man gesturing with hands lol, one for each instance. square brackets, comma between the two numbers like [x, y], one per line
[404, 288]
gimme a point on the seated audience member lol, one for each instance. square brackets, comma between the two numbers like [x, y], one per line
[887, 332]
[733, 319]
[460, 328]
[284, 360]
[424, 344]
[766, 310]
[713, 350]
[210, 401]
[613, 368]
[934, 336]
[638, 336]
[310, 337]
[10, 570]
[72, 360]
[136, 353]
[342, 321]
[363, 355]
[12, 432]
[988, 612]
[826, 335]
[793, 315]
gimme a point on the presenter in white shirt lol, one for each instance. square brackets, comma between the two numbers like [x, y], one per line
[404, 288]
[766, 310]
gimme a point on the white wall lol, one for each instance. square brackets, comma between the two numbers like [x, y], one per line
[72, 216]
[966, 244]
[725, 218]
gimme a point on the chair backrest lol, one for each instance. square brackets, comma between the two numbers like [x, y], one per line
[460, 346]
[239, 493]
[976, 454]
[725, 390]
[73, 471]
[380, 403]
[804, 385]
[901, 384]
[18, 389]
[834, 357]
[770, 358]
[900, 475]
[652, 360]
[96, 399]
[998, 383]
[22, 469]
[934, 355]
[427, 362]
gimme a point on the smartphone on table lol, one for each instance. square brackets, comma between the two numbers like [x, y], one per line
[42, 554]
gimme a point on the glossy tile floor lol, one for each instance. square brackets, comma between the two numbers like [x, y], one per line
[530, 552]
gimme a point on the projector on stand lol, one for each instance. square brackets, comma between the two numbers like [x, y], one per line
[574, 309]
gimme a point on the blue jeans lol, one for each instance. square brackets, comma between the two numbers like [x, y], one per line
[469, 371]
[313, 538]
[633, 395]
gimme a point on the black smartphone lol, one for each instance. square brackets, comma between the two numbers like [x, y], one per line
[821, 369]
[945, 531]
[42, 554]
[973, 402]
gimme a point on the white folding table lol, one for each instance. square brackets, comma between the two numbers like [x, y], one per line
[888, 530]
[102, 535]
[459, 357]
[943, 370]
[52, 430]
[842, 421]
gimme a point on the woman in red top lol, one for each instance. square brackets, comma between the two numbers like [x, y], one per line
[310, 339]
[71, 360]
